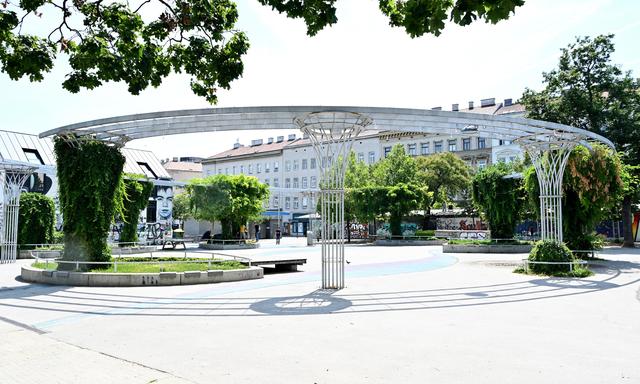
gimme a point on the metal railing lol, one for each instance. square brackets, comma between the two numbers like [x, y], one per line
[526, 263]
[215, 257]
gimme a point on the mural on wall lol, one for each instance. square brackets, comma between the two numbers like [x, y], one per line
[461, 224]
[164, 204]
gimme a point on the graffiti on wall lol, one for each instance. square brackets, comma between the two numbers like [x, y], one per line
[461, 224]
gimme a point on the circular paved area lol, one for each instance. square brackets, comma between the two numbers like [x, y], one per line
[408, 315]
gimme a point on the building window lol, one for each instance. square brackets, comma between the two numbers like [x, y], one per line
[295, 165]
[296, 183]
[437, 146]
[372, 157]
[453, 145]
[276, 202]
[387, 150]
[266, 181]
[287, 183]
[312, 163]
[314, 182]
[276, 166]
[481, 143]
[305, 202]
[33, 156]
[258, 168]
[466, 144]
[226, 171]
[424, 148]
[287, 203]
[304, 163]
[296, 203]
[482, 164]
[287, 166]
[504, 142]
[305, 183]
[234, 169]
[266, 167]
[242, 169]
[276, 182]
[411, 148]
[361, 156]
[249, 169]
[220, 171]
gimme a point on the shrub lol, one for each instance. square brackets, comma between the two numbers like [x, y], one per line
[36, 219]
[426, 232]
[550, 251]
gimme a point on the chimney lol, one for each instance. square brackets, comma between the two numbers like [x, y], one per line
[487, 102]
[455, 107]
[236, 145]
[508, 102]
[436, 109]
[270, 140]
[471, 105]
[291, 137]
[279, 139]
[305, 135]
[256, 142]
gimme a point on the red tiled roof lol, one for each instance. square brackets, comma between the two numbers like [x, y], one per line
[250, 150]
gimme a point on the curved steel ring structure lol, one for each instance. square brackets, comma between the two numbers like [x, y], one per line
[131, 127]
[332, 130]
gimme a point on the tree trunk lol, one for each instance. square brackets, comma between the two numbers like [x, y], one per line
[627, 219]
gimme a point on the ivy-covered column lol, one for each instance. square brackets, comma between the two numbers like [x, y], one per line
[89, 180]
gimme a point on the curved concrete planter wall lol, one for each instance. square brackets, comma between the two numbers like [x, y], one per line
[469, 248]
[387, 242]
[220, 246]
[97, 279]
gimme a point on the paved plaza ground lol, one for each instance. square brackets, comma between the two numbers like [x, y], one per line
[408, 315]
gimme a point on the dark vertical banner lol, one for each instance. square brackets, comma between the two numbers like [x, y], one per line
[635, 225]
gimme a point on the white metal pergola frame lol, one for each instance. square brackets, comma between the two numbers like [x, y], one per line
[13, 175]
[547, 143]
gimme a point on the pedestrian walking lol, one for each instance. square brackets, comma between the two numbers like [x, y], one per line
[278, 236]
[257, 228]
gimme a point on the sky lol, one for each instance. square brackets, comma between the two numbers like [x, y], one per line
[360, 61]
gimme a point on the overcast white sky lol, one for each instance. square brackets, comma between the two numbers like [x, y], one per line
[359, 61]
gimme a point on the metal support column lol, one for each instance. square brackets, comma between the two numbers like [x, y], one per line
[12, 178]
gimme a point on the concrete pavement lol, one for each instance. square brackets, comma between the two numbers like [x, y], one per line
[408, 315]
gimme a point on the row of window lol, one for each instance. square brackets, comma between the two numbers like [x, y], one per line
[311, 182]
[306, 202]
[438, 146]
[249, 169]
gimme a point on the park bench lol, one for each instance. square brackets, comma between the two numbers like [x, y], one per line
[175, 241]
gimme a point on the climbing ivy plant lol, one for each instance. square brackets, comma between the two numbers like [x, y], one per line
[500, 199]
[135, 198]
[36, 219]
[89, 178]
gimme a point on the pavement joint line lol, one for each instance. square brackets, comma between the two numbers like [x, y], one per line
[23, 325]
[122, 359]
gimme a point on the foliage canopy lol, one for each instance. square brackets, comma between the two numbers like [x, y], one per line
[142, 42]
[36, 219]
[231, 199]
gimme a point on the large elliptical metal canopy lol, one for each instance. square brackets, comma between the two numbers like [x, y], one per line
[548, 144]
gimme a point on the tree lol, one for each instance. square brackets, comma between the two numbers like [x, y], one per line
[499, 198]
[445, 174]
[357, 175]
[591, 187]
[36, 219]
[587, 91]
[142, 42]
[232, 200]
[135, 198]
[182, 207]
[396, 187]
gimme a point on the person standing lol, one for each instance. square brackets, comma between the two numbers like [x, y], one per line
[257, 228]
[242, 231]
[278, 235]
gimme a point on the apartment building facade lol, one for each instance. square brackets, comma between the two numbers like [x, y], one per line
[290, 167]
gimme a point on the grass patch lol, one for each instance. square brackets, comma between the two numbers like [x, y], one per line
[162, 265]
[577, 272]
